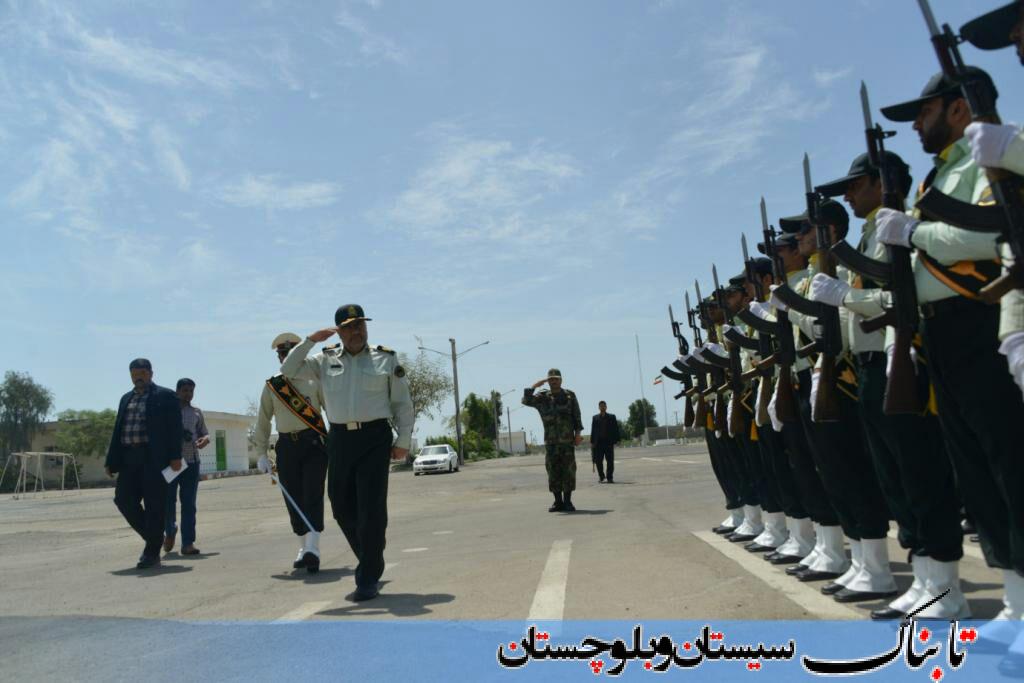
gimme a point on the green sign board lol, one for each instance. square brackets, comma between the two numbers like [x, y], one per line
[222, 450]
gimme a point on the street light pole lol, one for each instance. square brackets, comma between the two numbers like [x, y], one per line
[508, 414]
[458, 421]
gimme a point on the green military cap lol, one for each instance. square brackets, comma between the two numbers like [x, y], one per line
[939, 85]
[991, 31]
[349, 313]
[554, 372]
[861, 167]
[830, 211]
[785, 239]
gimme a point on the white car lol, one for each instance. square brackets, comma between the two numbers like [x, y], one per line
[442, 458]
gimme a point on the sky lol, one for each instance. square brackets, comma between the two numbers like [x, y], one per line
[185, 180]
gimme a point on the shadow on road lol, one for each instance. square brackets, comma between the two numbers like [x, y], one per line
[201, 556]
[146, 573]
[580, 511]
[323, 576]
[395, 604]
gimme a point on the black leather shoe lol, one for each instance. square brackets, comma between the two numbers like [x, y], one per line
[148, 562]
[300, 563]
[886, 614]
[722, 529]
[785, 559]
[569, 507]
[601, 480]
[847, 595]
[758, 548]
[741, 538]
[312, 563]
[767, 557]
[811, 575]
[366, 593]
[796, 569]
[610, 480]
[831, 588]
[557, 507]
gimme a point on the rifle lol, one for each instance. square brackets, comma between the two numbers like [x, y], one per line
[720, 416]
[684, 350]
[700, 416]
[764, 340]
[735, 413]
[1007, 217]
[785, 354]
[901, 397]
[826, 405]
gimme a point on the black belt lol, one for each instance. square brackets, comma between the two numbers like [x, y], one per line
[869, 357]
[295, 436]
[352, 426]
[954, 305]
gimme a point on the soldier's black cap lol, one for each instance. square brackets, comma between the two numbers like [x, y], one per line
[784, 239]
[830, 211]
[861, 167]
[349, 313]
[992, 31]
[184, 382]
[736, 282]
[939, 85]
[140, 364]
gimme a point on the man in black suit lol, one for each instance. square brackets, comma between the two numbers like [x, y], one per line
[604, 434]
[147, 438]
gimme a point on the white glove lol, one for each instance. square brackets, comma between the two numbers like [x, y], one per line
[263, 464]
[776, 301]
[685, 357]
[760, 310]
[890, 353]
[728, 419]
[727, 327]
[1013, 348]
[895, 227]
[773, 413]
[989, 142]
[717, 349]
[815, 376]
[828, 290]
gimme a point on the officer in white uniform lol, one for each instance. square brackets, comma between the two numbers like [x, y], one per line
[365, 391]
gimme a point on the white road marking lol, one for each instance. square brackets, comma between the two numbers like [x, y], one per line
[414, 550]
[441, 533]
[651, 459]
[805, 595]
[549, 600]
[684, 462]
[302, 612]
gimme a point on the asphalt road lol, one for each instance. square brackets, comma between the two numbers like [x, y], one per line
[474, 545]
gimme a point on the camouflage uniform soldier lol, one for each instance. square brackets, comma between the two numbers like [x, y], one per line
[560, 412]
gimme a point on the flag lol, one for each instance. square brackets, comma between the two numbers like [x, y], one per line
[657, 380]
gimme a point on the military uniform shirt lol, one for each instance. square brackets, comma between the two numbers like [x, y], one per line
[308, 384]
[559, 412]
[960, 178]
[806, 322]
[370, 385]
[865, 303]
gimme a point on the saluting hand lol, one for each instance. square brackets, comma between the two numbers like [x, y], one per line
[324, 334]
[540, 383]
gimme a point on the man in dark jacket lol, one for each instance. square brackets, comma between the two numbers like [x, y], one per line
[604, 434]
[147, 438]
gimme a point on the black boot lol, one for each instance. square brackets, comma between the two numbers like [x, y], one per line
[558, 505]
[569, 507]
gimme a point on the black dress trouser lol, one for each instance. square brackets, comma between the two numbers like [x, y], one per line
[801, 461]
[141, 495]
[727, 480]
[604, 451]
[302, 467]
[357, 484]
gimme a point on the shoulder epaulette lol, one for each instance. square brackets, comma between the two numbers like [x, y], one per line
[384, 349]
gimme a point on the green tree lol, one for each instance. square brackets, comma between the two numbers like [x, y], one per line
[23, 407]
[625, 431]
[478, 414]
[638, 411]
[85, 433]
[429, 383]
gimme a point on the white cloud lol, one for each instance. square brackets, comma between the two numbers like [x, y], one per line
[372, 45]
[483, 190]
[826, 77]
[165, 148]
[268, 192]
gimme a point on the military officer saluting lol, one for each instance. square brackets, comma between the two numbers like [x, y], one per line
[301, 458]
[365, 391]
[560, 412]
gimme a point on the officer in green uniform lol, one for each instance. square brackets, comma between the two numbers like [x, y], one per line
[365, 392]
[979, 406]
[563, 426]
